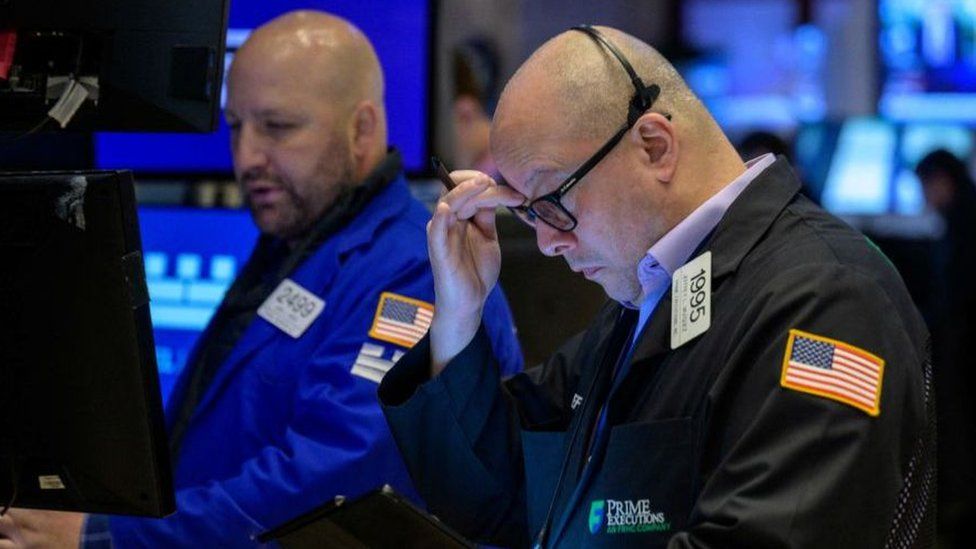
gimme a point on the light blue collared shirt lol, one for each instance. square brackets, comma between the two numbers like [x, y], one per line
[673, 249]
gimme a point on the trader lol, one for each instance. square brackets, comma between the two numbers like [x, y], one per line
[759, 379]
[277, 411]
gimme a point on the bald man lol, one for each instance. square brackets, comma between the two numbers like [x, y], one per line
[276, 412]
[758, 378]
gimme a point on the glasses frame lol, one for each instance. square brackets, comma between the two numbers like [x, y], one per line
[642, 100]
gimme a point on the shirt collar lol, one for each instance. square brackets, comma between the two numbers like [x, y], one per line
[673, 249]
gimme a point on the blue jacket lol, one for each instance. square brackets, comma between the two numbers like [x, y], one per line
[287, 424]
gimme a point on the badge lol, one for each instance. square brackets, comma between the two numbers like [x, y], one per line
[291, 308]
[401, 320]
[691, 300]
[833, 369]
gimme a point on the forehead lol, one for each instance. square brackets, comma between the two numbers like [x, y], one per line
[256, 83]
[532, 141]
[538, 166]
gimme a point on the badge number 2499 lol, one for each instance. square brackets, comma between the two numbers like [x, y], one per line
[291, 308]
[298, 302]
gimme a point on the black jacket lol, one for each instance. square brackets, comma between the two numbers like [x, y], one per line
[706, 447]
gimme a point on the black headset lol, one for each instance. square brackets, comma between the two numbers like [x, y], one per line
[644, 96]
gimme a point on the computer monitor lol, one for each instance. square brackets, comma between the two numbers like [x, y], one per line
[928, 60]
[865, 166]
[144, 65]
[789, 89]
[400, 30]
[189, 267]
[81, 421]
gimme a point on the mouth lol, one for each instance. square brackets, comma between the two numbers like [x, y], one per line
[588, 272]
[263, 195]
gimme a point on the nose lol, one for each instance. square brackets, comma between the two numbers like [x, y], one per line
[551, 241]
[249, 152]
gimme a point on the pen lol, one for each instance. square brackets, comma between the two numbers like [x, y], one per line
[442, 173]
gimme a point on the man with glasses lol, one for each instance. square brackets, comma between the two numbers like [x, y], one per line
[758, 379]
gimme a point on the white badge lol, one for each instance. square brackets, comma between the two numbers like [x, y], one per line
[291, 308]
[691, 300]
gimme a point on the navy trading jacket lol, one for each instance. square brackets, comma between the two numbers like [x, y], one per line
[288, 423]
[799, 419]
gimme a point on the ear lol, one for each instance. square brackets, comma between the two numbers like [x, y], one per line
[656, 137]
[365, 128]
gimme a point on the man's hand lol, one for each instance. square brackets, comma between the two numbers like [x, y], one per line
[466, 260]
[34, 529]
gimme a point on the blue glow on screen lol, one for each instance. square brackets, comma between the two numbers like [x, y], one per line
[191, 258]
[871, 168]
[399, 32]
[790, 87]
[928, 53]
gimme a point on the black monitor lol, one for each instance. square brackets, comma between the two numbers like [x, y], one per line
[146, 65]
[81, 421]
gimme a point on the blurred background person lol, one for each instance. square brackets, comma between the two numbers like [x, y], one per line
[949, 190]
[476, 74]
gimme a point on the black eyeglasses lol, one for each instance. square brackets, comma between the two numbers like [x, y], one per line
[548, 207]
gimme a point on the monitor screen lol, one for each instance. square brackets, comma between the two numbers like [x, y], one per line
[870, 162]
[123, 64]
[400, 32]
[81, 420]
[764, 71]
[191, 257]
[928, 59]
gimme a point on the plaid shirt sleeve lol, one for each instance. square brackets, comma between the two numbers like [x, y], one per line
[95, 533]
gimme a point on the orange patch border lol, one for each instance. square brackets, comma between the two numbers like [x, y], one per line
[379, 309]
[874, 411]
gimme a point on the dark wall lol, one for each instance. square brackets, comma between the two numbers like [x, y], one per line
[550, 302]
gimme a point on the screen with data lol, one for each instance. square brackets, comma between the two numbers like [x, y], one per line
[927, 52]
[191, 257]
[866, 166]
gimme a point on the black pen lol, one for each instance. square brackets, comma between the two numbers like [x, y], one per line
[441, 170]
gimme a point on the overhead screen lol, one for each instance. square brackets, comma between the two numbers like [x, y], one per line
[928, 58]
[865, 166]
[764, 71]
[400, 32]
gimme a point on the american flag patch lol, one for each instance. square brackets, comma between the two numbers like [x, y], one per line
[401, 320]
[834, 370]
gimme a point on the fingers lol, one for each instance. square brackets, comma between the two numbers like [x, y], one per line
[485, 221]
[36, 528]
[476, 191]
[9, 532]
[437, 229]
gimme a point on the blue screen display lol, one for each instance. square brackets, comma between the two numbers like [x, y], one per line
[400, 33]
[788, 89]
[191, 256]
[870, 162]
[928, 53]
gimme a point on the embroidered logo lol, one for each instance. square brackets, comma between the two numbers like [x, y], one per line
[626, 516]
[597, 515]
